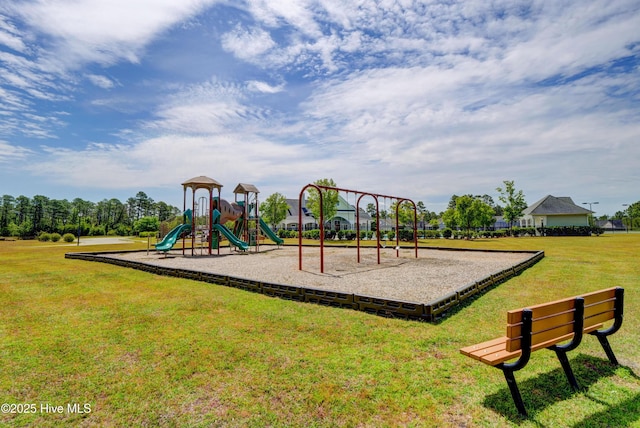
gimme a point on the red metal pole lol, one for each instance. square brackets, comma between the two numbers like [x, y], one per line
[415, 223]
[184, 208]
[300, 228]
[318, 188]
[415, 228]
[358, 225]
[193, 220]
[321, 233]
[397, 228]
[210, 237]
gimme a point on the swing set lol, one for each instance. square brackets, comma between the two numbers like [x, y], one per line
[358, 195]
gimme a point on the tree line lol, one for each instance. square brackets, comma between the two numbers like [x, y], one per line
[26, 217]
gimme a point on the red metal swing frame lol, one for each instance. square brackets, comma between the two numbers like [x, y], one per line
[375, 196]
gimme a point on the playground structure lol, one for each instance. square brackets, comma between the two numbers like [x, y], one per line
[359, 195]
[407, 291]
[206, 220]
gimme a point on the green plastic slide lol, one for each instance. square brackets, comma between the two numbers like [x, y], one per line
[231, 237]
[267, 231]
[170, 239]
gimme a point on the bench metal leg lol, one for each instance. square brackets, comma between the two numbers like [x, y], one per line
[568, 371]
[515, 392]
[604, 341]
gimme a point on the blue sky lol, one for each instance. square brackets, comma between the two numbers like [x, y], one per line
[421, 100]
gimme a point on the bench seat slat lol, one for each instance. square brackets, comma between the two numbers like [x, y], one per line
[491, 352]
[471, 351]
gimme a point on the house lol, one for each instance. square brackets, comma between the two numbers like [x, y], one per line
[611, 225]
[553, 211]
[345, 218]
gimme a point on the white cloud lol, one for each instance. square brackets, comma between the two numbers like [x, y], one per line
[101, 81]
[164, 161]
[258, 86]
[414, 99]
[247, 44]
[274, 13]
[10, 36]
[12, 153]
[84, 31]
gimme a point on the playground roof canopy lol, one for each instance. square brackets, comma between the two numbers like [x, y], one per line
[202, 182]
[246, 188]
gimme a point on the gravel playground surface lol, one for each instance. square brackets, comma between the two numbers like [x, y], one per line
[434, 274]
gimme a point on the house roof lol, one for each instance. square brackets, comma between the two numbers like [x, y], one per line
[551, 205]
[293, 208]
[613, 223]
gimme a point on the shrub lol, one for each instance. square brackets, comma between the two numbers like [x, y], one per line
[366, 234]
[97, 231]
[68, 237]
[447, 233]
[55, 237]
[69, 228]
[432, 234]
[44, 237]
[350, 235]
[123, 230]
[406, 234]
[328, 234]
[569, 230]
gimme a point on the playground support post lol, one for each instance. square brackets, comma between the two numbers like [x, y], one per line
[375, 198]
[300, 227]
[415, 225]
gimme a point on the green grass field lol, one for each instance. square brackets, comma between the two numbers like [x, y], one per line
[93, 344]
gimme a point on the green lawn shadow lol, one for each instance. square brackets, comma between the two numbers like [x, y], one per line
[546, 389]
[624, 414]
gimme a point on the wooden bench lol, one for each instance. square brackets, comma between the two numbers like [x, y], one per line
[558, 326]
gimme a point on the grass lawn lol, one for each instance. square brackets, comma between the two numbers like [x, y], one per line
[98, 345]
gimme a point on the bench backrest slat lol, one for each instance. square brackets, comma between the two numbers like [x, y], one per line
[541, 311]
[597, 296]
[559, 334]
[539, 325]
[552, 322]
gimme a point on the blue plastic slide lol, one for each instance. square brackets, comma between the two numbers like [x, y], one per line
[170, 239]
[231, 237]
